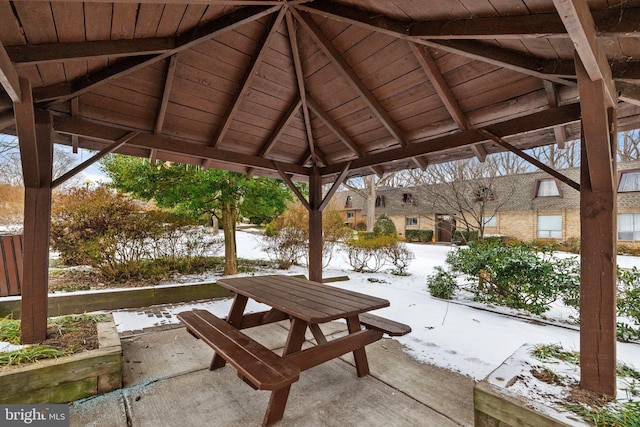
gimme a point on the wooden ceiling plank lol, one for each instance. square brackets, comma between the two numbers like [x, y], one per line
[629, 92]
[82, 166]
[203, 2]
[541, 120]
[297, 63]
[59, 93]
[56, 52]
[364, 93]
[468, 48]
[280, 128]
[248, 78]
[335, 128]
[9, 76]
[579, 23]
[109, 134]
[6, 119]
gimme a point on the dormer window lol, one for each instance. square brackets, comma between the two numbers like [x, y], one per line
[547, 188]
[484, 194]
[407, 199]
[348, 203]
[629, 181]
[379, 201]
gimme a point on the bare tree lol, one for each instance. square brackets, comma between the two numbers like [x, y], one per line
[629, 145]
[471, 191]
[366, 187]
[559, 158]
[11, 165]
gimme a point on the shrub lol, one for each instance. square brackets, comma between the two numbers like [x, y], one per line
[287, 246]
[369, 254]
[442, 284]
[360, 226]
[384, 226]
[418, 235]
[399, 255]
[628, 303]
[463, 237]
[517, 276]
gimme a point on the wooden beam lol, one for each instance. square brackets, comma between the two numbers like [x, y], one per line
[629, 92]
[75, 112]
[287, 179]
[9, 77]
[263, 48]
[63, 92]
[336, 184]
[341, 64]
[82, 166]
[552, 98]
[280, 128]
[595, 123]
[545, 119]
[37, 219]
[166, 94]
[109, 134]
[315, 225]
[205, 2]
[297, 63]
[579, 23]
[32, 54]
[537, 163]
[26, 130]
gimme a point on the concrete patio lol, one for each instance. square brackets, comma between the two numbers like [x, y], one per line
[167, 383]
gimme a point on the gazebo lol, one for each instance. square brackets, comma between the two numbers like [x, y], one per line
[318, 91]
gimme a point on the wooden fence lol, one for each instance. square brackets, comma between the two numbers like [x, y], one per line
[10, 265]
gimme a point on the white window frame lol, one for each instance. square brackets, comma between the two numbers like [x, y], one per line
[548, 227]
[547, 188]
[629, 182]
[629, 226]
[351, 215]
[411, 221]
[490, 221]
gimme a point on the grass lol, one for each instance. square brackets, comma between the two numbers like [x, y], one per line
[613, 414]
[10, 332]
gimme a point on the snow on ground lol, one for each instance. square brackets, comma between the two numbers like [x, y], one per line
[459, 337]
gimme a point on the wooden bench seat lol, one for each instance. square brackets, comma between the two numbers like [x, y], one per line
[389, 327]
[256, 364]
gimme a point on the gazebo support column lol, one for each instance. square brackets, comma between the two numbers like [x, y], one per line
[597, 238]
[315, 226]
[36, 151]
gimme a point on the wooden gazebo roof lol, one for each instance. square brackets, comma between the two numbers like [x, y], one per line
[354, 87]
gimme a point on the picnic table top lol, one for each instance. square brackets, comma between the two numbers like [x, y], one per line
[310, 301]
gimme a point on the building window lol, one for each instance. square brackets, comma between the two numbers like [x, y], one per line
[379, 201]
[547, 188]
[629, 181]
[550, 226]
[629, 227]
[490, 221]
[484, 194]
[351, 215]
[407, 199]
[411, 222]
[349, 202]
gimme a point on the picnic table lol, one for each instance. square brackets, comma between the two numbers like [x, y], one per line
[306, 304]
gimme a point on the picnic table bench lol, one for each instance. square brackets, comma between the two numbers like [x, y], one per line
[306, 304]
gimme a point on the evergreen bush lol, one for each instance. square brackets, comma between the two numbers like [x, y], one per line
[442, 284]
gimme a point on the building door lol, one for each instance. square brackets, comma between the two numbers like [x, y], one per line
[444, 228]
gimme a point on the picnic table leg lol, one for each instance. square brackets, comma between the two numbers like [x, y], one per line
[278, 399]
[360, 356]
[234, 318]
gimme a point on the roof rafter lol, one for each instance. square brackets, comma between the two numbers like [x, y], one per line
[297, 64]
[330, 51]
[445, 93]
[63, 92]
[552, 98]
[541, 120]
[579, 23]
[247, 80]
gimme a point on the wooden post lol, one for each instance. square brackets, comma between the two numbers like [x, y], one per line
[597, 238]
[315, 226]
[35, 131]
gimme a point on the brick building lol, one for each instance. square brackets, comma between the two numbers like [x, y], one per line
[526, 206]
